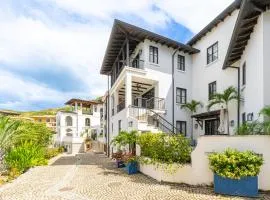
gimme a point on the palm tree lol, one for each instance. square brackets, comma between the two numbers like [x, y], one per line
[191, 107]
[223, 99]
[8, 132]
[265, 112]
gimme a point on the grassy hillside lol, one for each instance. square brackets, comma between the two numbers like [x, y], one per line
[51, 111]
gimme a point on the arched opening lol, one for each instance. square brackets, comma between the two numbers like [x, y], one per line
[68, 121]
[87, 122]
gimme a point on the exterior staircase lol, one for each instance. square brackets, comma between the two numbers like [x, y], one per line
[150, 120]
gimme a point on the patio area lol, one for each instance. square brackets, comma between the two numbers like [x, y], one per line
[94, 177]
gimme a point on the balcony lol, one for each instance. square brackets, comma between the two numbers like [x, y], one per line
[154, 103]
[120, 106]
[135, 63]
[87, 112]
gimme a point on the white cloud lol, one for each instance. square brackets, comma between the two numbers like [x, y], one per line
[43, 36]
[194, 14]
[27, 93]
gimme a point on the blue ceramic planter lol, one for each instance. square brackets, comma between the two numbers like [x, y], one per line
[132, 168]
[246, 187]
[120, 164]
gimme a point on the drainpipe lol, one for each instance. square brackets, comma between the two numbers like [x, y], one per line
[108, 119]
[238, 91]
[173, 90]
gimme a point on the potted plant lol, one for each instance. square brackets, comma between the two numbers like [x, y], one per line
[131, 164]
[121, 141]
[118, 156]
[236, 172]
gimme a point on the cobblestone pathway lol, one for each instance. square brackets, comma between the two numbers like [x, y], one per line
[94, 177]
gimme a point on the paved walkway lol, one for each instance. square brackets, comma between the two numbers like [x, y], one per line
[94, 177]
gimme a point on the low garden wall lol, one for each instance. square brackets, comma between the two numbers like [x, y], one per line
[199, 173]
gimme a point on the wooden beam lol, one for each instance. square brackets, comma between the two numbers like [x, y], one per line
[142, 83]
[257, 7]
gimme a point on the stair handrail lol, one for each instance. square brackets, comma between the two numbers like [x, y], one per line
[160, 117]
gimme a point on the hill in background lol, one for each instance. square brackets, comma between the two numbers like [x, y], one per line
[51, 111]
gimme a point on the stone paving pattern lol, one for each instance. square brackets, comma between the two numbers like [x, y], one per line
[94, 177]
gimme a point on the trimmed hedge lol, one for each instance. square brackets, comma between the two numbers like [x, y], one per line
[235, 164]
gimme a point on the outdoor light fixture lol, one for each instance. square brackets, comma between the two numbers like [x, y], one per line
[232, 123]
[196, 126]
[250, 117]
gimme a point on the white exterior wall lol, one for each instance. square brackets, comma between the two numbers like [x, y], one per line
[160, 75]
[266, 57]
[163, 74]
[203, 74]
[253, 56]
[199, 173]
[79, 128]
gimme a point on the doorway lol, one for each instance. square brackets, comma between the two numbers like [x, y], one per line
[211, 127]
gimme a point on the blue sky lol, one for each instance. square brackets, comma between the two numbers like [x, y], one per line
[52, 50]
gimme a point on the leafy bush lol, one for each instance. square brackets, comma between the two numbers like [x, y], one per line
[26, 155]
[37, 133]
[234, 164]
[125, 138]
[52, 152]
[254, 128]
[163, 148]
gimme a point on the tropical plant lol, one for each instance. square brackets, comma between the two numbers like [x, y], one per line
[163, 148]
[8, 132]
[25, 156]
[224, 99]
[37, 133]
[191, 107]
[125, 138]
[265, 112]
[235, 164]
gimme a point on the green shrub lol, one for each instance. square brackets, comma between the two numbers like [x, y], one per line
[125, 138]
[51, 152]
[26, 155]
[234, 164]
[164, 148]
[254, 128]
[37, 133]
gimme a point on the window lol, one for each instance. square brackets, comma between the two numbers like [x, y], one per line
[181, 63]
[153, 54]
[87, 122]
[244, 118]
[212, 53]
[181, 127]
[68, 121]
[244, 74]
[212, 89]
[95, 108]
[181, 95]
[48, 120]
[119, 126]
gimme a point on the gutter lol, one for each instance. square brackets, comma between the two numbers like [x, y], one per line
[173, 87]
[238, 91]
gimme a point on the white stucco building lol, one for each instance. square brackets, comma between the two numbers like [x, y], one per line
[151, 76]
[82, 121]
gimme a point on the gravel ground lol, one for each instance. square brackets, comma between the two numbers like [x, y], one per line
[94, 177]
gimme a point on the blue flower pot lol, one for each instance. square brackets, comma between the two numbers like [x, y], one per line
[132, 168]
[120, 164]
[245, 187]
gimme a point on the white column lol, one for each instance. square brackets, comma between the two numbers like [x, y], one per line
[128, 91]
[116, 100]
[76, 106]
